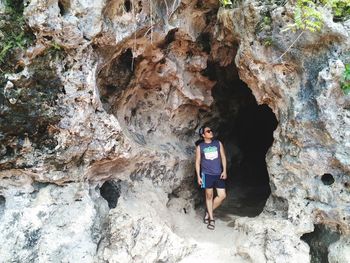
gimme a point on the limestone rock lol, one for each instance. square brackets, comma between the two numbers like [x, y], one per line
[270, 240]
[115, 91]
[47, 223]
[138, 231]
[339, 251]
[306, 163]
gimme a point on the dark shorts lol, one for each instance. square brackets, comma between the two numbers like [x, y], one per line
[212, 181]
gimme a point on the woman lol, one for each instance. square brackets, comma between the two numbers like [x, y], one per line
[211, 172]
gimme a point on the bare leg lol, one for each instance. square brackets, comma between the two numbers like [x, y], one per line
[219, 198]
[209, 201]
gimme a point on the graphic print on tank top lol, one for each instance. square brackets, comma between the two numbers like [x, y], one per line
[211, 153]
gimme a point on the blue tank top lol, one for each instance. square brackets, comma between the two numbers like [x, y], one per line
[210, 158]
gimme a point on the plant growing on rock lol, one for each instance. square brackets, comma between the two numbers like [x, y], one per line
[14, 33]
[226, 3]
[340, 8]
[308, 17]
[345, 83]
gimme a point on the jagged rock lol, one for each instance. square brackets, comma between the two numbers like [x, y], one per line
[139, 231]
[50, 223]
[267, 239]
[115, 92]
[339, 251]
[303, 90]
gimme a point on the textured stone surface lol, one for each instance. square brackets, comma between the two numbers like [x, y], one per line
[93, 144]
[339, 251]
[47, 223]
[123, 90]
[139, 229]
[268, 239]
[303, 90]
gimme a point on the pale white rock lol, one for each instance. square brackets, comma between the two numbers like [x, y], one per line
[53, 224]
[339, 252]
[144, 132]
[269, 240]
[2, 6]
[89, 15]
[139, 229]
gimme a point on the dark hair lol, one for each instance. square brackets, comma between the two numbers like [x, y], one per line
[200, 133]
[201, 130]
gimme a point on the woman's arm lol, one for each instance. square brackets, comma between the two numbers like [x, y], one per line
[198, 164]
[223, 161]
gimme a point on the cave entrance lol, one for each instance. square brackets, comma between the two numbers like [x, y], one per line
[246, 131]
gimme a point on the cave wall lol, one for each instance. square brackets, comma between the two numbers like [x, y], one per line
[130, 92]
[303, 90]
[133, 126]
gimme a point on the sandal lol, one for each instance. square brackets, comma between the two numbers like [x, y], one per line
[205, 218]
[211, 224]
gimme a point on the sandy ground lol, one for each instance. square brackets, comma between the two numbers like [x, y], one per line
[219, 245]
[211, 245]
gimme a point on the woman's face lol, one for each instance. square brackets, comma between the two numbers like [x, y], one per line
[208, 133]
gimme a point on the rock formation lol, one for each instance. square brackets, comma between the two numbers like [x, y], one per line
[99, 119]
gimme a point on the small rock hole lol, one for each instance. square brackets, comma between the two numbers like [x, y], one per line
[140, 6]
[110, 191]
[204, 41]
[49, 38]
[127, 5]
[126, 59]
[2, 205]
[327, 179]
[347, 184]
[63, 6]
[19, 68]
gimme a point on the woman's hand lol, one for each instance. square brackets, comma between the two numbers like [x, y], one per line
[199, 180]
[223, 175]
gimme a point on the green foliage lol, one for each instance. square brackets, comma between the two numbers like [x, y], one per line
[340, 8]
[225, 3]
[268, 42]
[263, 29]
[14, 33]
[345, 83]
[306, 17]
[264, 24]
[55, 51]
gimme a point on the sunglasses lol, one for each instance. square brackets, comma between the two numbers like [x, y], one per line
[208, 131]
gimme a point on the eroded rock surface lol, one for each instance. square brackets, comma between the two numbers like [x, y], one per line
[303, 90]
[115, 91]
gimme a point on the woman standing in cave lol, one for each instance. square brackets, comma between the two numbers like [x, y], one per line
[211, 172]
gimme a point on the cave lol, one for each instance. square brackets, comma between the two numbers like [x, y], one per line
[161, 108]
[246, 131]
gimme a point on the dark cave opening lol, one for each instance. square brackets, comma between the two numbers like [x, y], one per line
[319, 240]
[141, 104]
[110, 191]
[246, 131]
